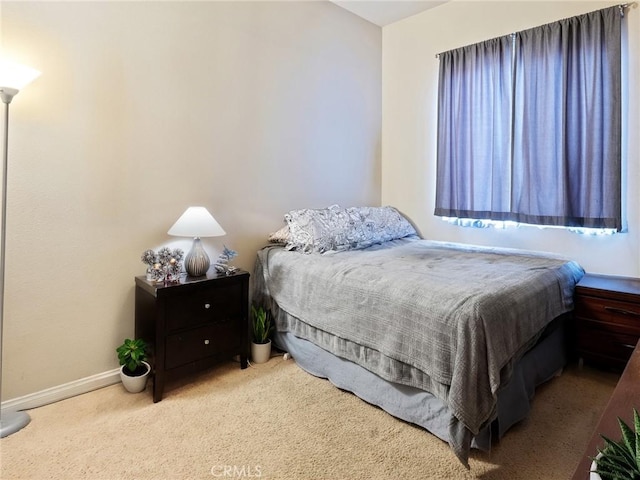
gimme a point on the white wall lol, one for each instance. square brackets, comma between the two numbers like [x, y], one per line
[145, 108]
[410, 76]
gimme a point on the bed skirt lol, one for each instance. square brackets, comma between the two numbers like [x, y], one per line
[544, 361]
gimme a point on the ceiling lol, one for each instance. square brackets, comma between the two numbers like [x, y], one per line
[384, 12]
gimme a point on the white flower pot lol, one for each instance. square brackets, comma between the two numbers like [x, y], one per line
[135, 384]
[593, 475]
[260, 352]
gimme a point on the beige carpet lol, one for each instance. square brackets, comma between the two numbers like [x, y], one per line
[274, 421]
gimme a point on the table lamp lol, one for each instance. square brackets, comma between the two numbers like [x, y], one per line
[196, 222]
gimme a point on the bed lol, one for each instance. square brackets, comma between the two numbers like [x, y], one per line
[451, 337]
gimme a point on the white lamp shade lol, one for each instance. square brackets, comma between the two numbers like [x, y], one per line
[196, 222]
[15, 75]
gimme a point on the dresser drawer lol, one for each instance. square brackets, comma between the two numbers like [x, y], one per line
[199, 343]
[215, 304]
[608, 314]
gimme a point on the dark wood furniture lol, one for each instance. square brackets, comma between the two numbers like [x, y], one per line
[192, 324]
[625, 398]
[607, 319]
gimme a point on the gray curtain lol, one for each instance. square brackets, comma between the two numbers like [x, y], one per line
[529, 126]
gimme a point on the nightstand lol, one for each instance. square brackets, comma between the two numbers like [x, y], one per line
[607, 316]
[192, 324]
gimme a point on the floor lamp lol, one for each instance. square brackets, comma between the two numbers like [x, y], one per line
[13, 77]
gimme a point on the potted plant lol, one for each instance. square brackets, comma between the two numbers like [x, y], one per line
[262, 326]
[134, 371]
[619, 460]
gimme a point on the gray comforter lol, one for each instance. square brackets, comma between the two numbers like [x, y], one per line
[447, 318]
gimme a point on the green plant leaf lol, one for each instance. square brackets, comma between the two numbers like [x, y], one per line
[132, 353]
[619, 451]
[261, 324]
[636, 426]
[628, 437]
[610, 469]
[621, 460]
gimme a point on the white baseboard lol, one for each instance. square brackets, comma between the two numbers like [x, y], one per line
[60, 392]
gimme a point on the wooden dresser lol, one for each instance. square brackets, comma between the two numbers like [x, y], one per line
[625, 398]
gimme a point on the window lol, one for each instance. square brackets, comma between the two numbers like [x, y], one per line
[529, 126]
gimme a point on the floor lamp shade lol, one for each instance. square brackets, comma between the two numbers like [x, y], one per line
[196, 222]
[13, 77]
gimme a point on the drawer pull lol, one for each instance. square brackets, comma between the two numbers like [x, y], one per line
[621, 311]
[206, 342]
[207, 305]
[626, 345]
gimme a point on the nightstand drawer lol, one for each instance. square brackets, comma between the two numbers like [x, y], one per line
[606, 344]
[216, 304]
[199, 343]
[623, 317]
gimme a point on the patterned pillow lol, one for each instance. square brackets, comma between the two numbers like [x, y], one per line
[381, 224]
[281, 236]
[335, 228]
[310, 230]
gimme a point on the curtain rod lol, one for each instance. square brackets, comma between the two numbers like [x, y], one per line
[622, 7]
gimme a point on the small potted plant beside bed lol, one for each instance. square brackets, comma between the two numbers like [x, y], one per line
[134, 371]
[262, 326]
[619, 460]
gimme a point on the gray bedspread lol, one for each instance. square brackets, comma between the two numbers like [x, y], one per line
[447, 318]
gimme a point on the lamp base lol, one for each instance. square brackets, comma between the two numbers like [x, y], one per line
[11, 422]
[197, 261]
